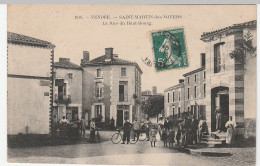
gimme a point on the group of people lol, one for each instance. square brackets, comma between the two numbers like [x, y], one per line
[69, 128]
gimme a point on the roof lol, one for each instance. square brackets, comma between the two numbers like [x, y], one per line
[16, 38]
[180, 85]
[194, 71]
[207, 36]
[115, 61]
[66, 64]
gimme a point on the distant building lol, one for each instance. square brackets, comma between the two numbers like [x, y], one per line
[67, 89]
[221, 82]
[29, 101]
[174, 100]
[154, 90]
[147, 92]
[111, 87]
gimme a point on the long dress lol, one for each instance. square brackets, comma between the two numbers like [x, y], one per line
[230, 125]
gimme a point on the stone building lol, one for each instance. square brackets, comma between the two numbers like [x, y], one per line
[111, 87]
[229, 86]
[29, 85]
[67, 89]
[221, 82]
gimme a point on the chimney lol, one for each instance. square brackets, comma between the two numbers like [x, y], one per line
[85, 56]
[109, 53]
[64, 59]
[181, 81]
[154, 90]
[202, 59]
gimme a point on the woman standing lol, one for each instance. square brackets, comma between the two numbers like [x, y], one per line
[152, 135]
[230, 125]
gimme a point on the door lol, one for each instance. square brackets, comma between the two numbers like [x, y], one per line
[119, 118]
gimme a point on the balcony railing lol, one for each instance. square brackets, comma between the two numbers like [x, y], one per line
[62, 99]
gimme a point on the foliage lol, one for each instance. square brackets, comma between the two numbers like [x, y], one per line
[243, 47]
[153, 105]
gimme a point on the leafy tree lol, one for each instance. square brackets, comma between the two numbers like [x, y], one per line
[243, 47]
[153, 106]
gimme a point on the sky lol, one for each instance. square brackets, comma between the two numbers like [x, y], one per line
[57, 24]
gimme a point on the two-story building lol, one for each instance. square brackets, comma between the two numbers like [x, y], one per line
[29, 85]
[111, 87]
[231, 84]
[195, 90]
[67, 89]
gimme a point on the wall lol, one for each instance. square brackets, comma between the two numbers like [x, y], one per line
[26, 103]
[28, 60]
[250, 82]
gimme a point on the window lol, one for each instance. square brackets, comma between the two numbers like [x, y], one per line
[123, 92]
[98, 73]
[126, 115]
[195, 77]
[188, 93]
[188, 80]
[204, 90]
[217, 57]
[195, 92]
[204, 74]
[179, 95]
[98, 109]
[98, 89]
[70, 75]
[172, 96]
[173, 111]
[123, 71]
[168, 97]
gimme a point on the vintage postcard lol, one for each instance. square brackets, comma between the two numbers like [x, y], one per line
[132, 84]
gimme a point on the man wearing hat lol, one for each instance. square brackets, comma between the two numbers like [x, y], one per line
[126, 135]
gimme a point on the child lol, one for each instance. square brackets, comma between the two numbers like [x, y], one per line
[164, 137]
[152, 135]
[171, 137]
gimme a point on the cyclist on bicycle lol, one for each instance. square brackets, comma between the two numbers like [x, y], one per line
[126, 135]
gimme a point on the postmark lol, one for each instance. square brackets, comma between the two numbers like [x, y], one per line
[169, 47]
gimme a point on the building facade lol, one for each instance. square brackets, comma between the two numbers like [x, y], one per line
[67, 90]
[174, 101]
[228, 84]
[221, 82]
[29, 85]
[111, 88]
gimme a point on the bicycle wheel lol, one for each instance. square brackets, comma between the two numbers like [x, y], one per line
[142, 136]
[116, 138]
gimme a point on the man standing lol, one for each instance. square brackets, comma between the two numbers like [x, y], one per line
[92, 130]
[194, 129]
[136, 127]
[126, 135]
[160, 123]
[112, 123]
[83, 124]
[147, 125]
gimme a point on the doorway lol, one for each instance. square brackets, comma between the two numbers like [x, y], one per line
[219, 100]
[119, 118]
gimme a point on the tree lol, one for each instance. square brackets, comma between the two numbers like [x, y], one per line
[243, 47]
[153, 106]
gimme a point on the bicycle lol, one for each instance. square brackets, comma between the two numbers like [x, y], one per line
[117, 137]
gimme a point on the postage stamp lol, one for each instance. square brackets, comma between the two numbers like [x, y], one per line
[169, 48]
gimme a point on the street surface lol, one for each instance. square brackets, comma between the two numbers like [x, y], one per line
[108, 153]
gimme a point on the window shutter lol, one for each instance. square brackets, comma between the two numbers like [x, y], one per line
[92, 112]
[103, 113]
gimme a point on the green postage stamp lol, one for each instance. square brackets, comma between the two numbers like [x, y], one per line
[169, 48]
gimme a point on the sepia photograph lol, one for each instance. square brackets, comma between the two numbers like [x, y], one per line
[132, 84]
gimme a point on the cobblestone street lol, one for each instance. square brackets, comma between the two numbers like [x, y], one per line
[139, 153]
